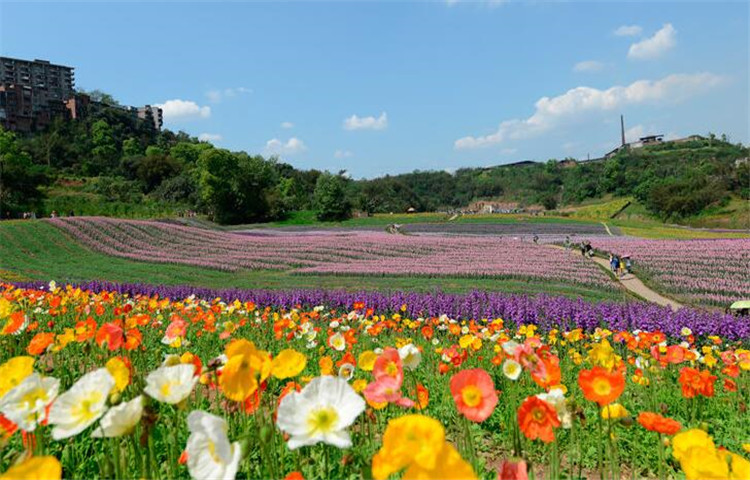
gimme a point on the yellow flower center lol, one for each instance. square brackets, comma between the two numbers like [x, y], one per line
[471, 395]
[84, 411]
[538, 415]
[322, 420]
[391, 369]
[32, 397]
[166, 388]
[601, 386]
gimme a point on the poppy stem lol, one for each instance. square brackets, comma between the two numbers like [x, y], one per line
[660, 448]
[601, 447]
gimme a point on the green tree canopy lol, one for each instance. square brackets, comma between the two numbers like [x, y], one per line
[331, 201]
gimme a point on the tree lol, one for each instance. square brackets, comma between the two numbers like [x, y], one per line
[331, 202]
[104, 149]
[20, 178]
[99, 96]
[236, 188]
[131, 147]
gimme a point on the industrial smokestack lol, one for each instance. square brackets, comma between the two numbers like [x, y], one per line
[622, 129]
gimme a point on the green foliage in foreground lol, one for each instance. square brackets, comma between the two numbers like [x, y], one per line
[34, 250]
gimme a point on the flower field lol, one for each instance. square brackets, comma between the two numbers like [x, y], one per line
[703, 271]
[150, 384]
[365, 253]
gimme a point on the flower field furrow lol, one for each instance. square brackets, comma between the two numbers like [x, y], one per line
[372, 253]
[709, 271]
[132, 381]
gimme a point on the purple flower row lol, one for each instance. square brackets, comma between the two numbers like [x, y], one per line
[547, 312]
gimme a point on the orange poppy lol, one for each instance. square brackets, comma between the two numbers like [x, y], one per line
[656, 423]
[110, 334]
[696, 382]
[600, 385]
[40, 342]
[538, 419]
[423, 397]
[474, 393]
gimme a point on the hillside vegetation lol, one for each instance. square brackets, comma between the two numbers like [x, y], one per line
[111, 164]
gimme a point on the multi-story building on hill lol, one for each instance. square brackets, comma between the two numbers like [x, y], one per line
[47, 80]
[33, 93]
[152, 114]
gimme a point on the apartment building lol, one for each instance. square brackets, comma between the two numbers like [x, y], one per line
[35, 92]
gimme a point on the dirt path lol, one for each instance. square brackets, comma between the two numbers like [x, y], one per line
[632, 283]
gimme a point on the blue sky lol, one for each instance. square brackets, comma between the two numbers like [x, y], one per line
[379, 88]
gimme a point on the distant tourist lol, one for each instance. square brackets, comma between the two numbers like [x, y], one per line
[628, 265]
[53, 214]
[536, 239]
[567, 243]
[612, 262]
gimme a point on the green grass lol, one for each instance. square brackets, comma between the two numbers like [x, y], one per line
[34, 250]
[307, 218]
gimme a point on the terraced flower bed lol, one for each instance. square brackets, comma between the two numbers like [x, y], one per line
[364, 253]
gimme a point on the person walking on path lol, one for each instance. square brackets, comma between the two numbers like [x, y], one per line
[612, 262]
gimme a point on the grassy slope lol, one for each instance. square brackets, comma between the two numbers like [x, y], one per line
[33, 250]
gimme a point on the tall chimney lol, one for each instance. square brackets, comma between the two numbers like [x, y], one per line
[622, 129]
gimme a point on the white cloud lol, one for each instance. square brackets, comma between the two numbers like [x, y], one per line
[278, 147]
[210, 137]
[628, 31]
[632, 134]
[177, 110]
[366, 123]
[216, 96]
[342, 154]
[655, 46]
[588, 66]
[287, 125]
[552, 112]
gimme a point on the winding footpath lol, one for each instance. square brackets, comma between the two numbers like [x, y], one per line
[633, 283]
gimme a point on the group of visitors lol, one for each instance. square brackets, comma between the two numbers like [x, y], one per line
[586, 249]
[33, 216]
[620, 265]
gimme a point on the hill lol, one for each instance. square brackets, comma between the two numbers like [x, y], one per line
[109, 164]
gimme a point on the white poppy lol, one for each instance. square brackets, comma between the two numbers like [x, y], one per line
[410, 356]
[82, 405]
[555, 398]
[120, 420]
[209, 452]
[337, 342]
[171, 384]
[346, 371]
[25, 403]
[321, 412]
[512, 369]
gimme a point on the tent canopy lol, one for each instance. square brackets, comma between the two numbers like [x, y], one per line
[740, 305]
